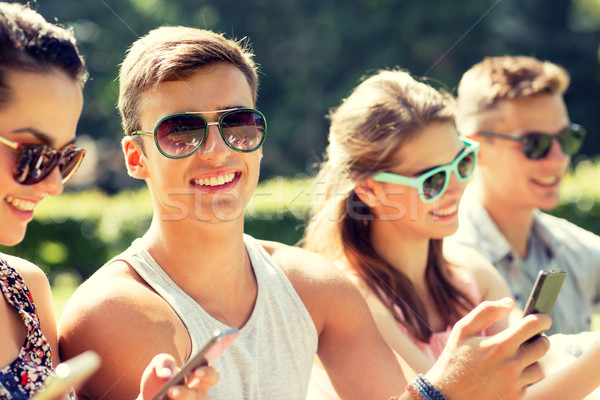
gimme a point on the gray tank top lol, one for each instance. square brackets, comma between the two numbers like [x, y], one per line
[273, 354]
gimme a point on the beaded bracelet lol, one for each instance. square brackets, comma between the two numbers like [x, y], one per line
[424, 390]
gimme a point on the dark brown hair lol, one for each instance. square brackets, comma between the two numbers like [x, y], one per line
[29, 43]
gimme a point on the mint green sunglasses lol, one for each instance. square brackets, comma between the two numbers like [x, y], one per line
[432, 184]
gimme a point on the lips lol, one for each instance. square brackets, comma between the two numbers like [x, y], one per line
[549, 181]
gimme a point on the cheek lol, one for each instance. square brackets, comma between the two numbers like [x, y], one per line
[399, 203]
[7, 166]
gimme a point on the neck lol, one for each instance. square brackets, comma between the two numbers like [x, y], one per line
[209, 262]
[513, 222]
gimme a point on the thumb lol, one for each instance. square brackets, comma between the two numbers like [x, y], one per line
[483, 316]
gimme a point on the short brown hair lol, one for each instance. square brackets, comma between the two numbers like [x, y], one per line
[507, 78]
[174, 53]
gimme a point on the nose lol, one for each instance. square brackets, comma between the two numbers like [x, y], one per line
[214, 146]
[52, 184]
[455, 186]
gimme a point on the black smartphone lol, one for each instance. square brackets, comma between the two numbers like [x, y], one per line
[210, 352]
[544, 293]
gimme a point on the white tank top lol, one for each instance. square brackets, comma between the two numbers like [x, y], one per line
[273, 354]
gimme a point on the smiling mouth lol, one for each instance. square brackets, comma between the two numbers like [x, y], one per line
[20, 204]
[215, 180]
[547, 181]
[447, 211]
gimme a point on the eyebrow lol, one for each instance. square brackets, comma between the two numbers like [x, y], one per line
[41, 136]
[436, 166]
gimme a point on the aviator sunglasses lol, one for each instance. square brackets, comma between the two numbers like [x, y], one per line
[181, 135]
[536, 145]
[36, 161]
[432, 184]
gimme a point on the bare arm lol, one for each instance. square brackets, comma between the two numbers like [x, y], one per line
[126, 324]
[361, 365]
[566, 377]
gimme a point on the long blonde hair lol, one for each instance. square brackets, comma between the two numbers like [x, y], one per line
[367, 129]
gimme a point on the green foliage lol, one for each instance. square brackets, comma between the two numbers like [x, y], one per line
[312, 53]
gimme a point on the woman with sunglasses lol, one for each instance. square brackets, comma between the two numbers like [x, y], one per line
[393, 177]
[41, 81]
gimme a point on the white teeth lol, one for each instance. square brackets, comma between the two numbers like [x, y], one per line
[215, 180]
[20, 204]
[547, 181]
[447, 211]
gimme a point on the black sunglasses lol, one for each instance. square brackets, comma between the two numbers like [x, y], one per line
[536, 145]
[181, 135]
[36, 161]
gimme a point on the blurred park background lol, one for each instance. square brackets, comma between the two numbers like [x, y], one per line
[312, 53]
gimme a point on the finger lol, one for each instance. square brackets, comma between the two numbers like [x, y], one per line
[483, 316]
[183, 393]
[523, 330]
[164, 365]
[531, 352]
[203, 378]
[532, 374]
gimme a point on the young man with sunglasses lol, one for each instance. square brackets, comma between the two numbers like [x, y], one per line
[514, 107]
[187, 101]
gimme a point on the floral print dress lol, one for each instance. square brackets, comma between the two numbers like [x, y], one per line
[26, 374]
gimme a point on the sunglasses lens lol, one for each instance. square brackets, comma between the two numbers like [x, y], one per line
[70, 162]
[466, 165]
[244, 130]
[536, 145]
[34, 164]
[180, 135]
[433, 185]
[571, 140]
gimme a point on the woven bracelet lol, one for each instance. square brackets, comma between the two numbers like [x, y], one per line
[424, 390]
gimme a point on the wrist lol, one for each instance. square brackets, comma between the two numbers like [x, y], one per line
[422, 389]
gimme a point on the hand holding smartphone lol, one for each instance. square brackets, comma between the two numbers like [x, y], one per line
[544, 293]
[210, 352]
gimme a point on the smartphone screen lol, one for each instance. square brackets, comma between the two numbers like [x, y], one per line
[210, 352]
[544, 293]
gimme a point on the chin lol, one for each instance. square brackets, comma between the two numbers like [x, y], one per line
[549, 204]
[12, 238]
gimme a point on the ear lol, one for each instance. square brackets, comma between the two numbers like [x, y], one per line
[135, 160]
[366, 192]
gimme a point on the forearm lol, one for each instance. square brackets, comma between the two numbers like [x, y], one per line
[575, 381]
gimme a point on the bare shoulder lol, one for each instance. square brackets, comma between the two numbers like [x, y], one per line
[303, 267]
[323, 288]
[33, 276]
[116, 314]
[113, 296]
